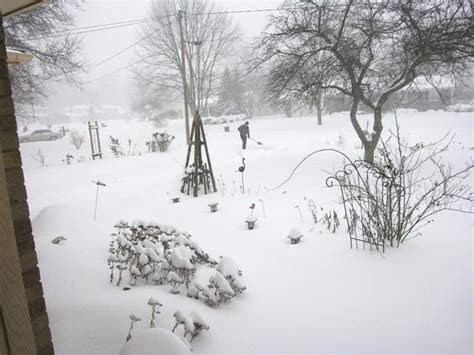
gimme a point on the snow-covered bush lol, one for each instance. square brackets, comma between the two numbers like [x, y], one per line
[161, 254]
[331, 220]
[388, 202]
[223, 119]
[76, 138]
[192, 325]
[229, 269]
[115, 147]
[160, 141]
[224, 284]
[461, 107]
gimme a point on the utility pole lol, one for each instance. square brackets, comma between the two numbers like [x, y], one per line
[183, 69]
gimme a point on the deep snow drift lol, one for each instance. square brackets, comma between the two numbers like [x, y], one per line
[315, 296]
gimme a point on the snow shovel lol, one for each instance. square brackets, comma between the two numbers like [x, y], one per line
[259, 143]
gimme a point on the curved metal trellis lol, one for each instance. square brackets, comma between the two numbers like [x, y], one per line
[367, 194]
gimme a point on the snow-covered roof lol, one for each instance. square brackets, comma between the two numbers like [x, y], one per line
[14, 7]
[16, 56]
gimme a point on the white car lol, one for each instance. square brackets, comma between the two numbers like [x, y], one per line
[40, 135]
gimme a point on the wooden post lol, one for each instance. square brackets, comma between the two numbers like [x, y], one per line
[197, 152]
[95, 139]
[16, 317]
[25, 326]
[207, 156]
[91, 139]
[183, 71]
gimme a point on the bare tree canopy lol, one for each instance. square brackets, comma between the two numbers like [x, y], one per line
[367, 49]
[208, 34]
[55, 58]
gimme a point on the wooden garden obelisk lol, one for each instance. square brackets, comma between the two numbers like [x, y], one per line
[198, 172]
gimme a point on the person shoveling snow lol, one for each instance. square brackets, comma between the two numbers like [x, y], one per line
[244, 131]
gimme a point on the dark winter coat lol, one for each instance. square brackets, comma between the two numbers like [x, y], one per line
[244, 130]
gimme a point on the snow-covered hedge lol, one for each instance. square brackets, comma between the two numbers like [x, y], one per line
[461, 107]
[161, 254]
[223, 119]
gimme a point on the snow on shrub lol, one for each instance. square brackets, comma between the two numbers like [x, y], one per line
[223, 119]
[192, 325]
[229, 269]
[461, 107]
[160, 254]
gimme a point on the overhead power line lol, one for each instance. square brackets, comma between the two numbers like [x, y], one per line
[121, 24]
[110, 73]
[119, 52]
[84, 30]
[127, 23]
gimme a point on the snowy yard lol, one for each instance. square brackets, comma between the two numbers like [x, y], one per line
[315, 296]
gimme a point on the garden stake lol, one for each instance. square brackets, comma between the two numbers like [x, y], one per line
[241, 170]
[98, 183]
[301, 217]
[263, 207]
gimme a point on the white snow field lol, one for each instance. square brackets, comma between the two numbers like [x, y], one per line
[317, 296]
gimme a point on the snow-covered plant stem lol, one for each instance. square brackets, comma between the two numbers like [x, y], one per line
[133, 319]
[155, 308]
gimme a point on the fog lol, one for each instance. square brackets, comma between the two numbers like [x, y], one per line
[108, 83]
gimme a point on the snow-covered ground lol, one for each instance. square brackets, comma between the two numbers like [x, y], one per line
[315, 296]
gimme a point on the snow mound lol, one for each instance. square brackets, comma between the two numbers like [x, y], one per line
[155, 341]
[228, 268]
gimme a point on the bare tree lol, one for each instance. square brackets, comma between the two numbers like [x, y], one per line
[77, 138]
[208, 34]
[369, 50]
[56, 57]
[298, 89]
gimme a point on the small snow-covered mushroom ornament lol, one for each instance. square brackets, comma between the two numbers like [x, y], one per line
[295, 235]
[251, 220]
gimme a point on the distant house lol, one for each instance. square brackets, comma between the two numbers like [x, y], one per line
[420, 95]
[423, 95]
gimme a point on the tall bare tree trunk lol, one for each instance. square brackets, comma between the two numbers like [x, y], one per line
[369, 149]
[319, 110]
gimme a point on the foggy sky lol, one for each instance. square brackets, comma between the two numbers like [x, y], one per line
[97, 46]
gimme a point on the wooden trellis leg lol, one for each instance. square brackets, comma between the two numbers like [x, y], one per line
[200, 170]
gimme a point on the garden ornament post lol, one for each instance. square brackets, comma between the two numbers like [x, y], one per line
[299, 212]
[97, 183]
[241, 171]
